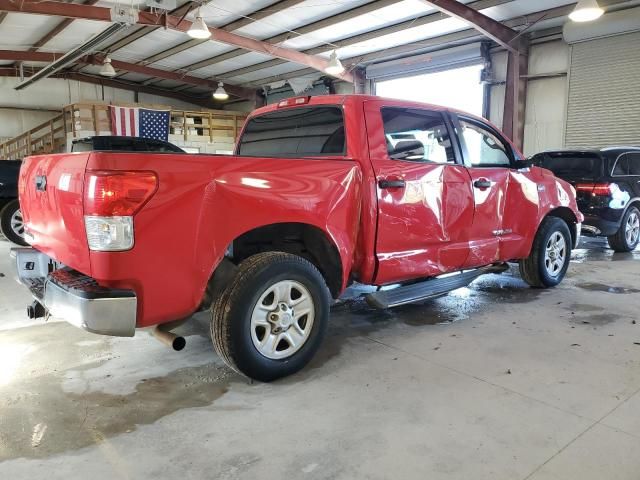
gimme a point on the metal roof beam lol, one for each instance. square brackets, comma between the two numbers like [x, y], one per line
[205, 102]
[489, 27]
[27, 56]
[178, 77]
[91, 12]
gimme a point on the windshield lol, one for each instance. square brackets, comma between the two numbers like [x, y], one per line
[573, 165]
[295, 132]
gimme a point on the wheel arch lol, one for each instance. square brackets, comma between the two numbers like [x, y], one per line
[569, 217]
[634, 202]
[302, 239]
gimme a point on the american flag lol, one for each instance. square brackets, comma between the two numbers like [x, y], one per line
[140, 122]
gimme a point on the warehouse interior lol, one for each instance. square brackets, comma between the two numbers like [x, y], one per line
[495, 380]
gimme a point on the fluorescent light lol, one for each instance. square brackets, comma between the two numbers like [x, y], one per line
[107, 69]
[198, 28]
[335, 66]
[220, 93]
[586, 11]
[68, 58]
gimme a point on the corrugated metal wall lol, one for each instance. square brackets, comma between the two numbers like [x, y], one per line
[604, 93]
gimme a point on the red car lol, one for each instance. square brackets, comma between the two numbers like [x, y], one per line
[321, 192]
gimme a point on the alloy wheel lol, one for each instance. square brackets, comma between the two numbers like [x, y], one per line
[632, 229]
[555, 254]
[17, 223]
[282, 319]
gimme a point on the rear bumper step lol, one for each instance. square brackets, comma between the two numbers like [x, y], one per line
[74, 297]
[429, 288]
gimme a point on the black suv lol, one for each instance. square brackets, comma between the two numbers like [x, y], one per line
[607, 184]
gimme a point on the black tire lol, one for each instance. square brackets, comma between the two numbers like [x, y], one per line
[619, 241]
[6, 214]
[231, 327]
[533, 269]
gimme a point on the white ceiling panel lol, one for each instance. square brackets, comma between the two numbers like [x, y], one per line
[302, 14]
[409, 35]
[152, 43]
[379, 18]
[267, 72]
[192, 55]
[250, 58]
[19, 31]
[221, 12]
[75, 34]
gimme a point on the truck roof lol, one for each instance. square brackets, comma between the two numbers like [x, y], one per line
[350, 99]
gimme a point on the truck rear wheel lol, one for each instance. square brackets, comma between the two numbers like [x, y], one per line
[271, 319]
[627, 237]
[549, 260]
[11, 223]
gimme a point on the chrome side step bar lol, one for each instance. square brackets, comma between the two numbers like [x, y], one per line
[427, 289]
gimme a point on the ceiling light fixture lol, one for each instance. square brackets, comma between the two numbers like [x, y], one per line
[586, 11]
[220, 93]
[335, 66]
[107, 69]
[198, 28]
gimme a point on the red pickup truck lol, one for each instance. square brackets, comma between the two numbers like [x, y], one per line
[321, 192]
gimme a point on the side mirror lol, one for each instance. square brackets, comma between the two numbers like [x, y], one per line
[525, 163]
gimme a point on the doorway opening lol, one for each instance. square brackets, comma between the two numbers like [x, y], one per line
[459, 88]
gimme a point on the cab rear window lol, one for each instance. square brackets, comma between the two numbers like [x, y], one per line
[295, 132]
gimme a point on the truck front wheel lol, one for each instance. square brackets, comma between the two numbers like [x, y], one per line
[271, 319]
[549, 260]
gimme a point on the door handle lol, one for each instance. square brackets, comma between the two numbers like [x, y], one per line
[483, 184]
[395, 183]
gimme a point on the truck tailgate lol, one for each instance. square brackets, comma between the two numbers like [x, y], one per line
[51, 198]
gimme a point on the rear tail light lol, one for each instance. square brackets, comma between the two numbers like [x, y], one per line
[111, 199]
[595, 189]
[111, 194]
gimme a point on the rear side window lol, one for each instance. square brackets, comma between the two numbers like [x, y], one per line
[295, 132]
[417, 136]
[634, 164]
[622, 166]
[627, 164]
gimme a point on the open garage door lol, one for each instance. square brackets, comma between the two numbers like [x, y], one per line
[449, 77]
[604, 97]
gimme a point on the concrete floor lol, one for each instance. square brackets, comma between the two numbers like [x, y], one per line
[496, 381]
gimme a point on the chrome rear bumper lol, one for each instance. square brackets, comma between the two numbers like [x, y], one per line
[75, 297]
